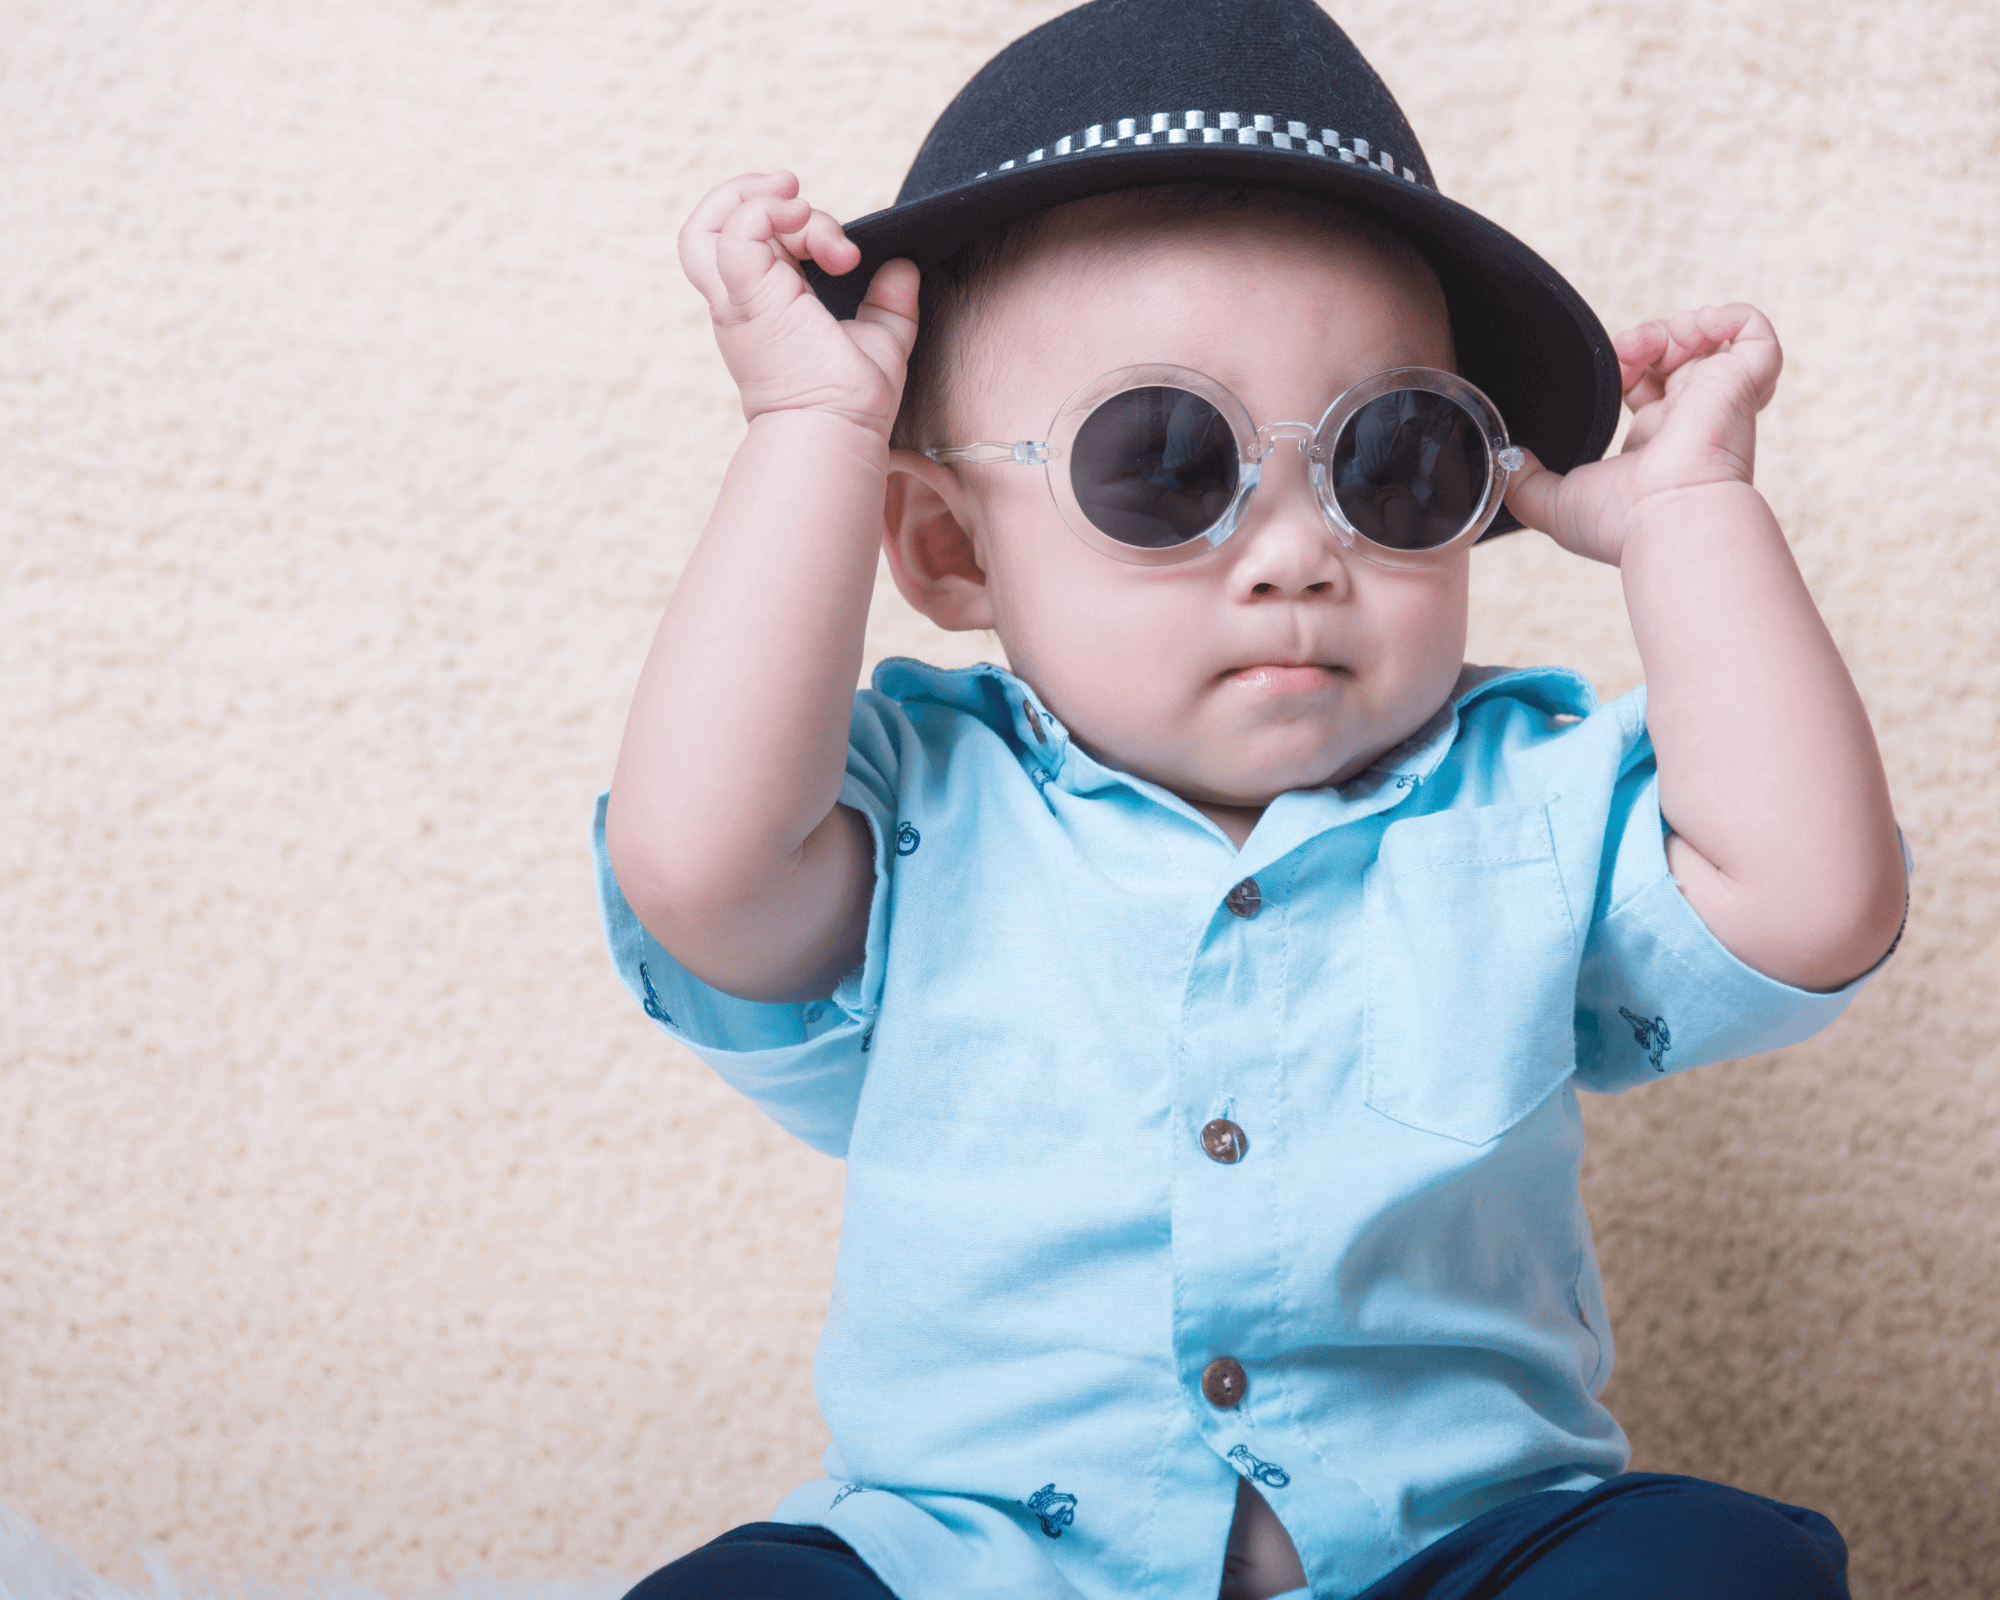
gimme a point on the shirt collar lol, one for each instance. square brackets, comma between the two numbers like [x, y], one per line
[1556, 690]
[1013, 710]
[993, 695]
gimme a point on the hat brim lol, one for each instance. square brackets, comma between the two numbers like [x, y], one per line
[1523, 334]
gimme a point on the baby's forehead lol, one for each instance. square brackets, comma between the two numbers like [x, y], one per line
[1121, 269]
[1107, 235]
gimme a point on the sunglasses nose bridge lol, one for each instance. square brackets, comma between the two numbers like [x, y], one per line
[1272, 434]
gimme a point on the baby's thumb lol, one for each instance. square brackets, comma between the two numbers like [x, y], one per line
[891, 302]
[1532, 491]
[1568, 506]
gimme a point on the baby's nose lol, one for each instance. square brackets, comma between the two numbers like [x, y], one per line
[1286, 547]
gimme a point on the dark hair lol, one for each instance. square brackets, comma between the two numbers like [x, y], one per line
[959, 287]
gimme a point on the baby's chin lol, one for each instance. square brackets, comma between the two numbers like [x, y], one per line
[1245, 768]
[1248, 784]
[1233, 793]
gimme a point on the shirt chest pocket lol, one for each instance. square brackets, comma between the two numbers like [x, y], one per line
[1471, 958]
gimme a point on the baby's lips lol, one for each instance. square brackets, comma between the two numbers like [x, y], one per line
[1283, 676]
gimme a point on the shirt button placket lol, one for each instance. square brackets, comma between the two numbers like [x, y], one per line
[1223, 1380]
[1222, 1140]
[1225, 1251]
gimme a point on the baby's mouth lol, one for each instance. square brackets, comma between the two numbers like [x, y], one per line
[1282, 677]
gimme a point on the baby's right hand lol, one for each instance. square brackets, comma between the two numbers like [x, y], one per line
[742, 248]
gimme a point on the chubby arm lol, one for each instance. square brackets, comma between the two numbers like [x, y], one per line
[724, 827]
[1782, 836]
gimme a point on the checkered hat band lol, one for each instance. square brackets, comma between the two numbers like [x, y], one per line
[1217, 127]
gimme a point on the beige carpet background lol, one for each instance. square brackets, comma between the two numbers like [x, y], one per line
[354, 423]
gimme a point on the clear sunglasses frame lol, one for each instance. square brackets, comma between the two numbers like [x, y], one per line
[1254, 445]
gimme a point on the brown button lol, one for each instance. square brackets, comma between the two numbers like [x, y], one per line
[1034, 723]
[1223, 1382]
[1246, 899]
[1223, 1141]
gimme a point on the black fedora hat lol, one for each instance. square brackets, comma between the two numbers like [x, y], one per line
[1121, 93]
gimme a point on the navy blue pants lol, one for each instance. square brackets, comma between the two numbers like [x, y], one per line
[1641, 1536]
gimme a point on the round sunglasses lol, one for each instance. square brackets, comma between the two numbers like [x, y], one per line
[1156, 464]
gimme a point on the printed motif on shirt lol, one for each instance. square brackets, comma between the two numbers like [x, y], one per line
[652, 1004]
[1271, 1477]
[1054, 1510]
[1651, 1032]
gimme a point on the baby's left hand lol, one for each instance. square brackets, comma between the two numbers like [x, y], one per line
[1695, 382]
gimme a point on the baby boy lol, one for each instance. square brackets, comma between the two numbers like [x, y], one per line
[1200, 1004]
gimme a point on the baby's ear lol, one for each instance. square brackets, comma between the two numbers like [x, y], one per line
[925, 523]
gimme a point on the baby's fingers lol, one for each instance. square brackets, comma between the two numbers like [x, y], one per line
[751, 259]
[714, 209]
[821, 239]
[1653, 352]
[1639, 352]
[1751, 339]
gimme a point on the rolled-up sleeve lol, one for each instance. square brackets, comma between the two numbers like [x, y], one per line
[1656, 991]
[802, 1063]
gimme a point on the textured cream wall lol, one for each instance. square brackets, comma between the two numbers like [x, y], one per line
[354, 422]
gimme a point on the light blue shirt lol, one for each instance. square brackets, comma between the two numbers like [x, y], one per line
[1039, 1258]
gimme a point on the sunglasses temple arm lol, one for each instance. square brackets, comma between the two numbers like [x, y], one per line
[993, 453]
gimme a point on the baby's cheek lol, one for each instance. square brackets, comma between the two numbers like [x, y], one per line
[1427, 616]
[1114, 697]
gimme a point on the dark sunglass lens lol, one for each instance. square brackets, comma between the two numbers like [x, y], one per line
[1154, 467]
[1409, 469]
